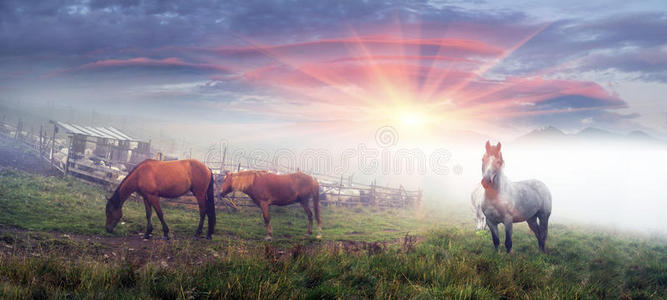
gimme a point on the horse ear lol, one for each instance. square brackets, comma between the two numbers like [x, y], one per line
[488, 146]
[498, 146]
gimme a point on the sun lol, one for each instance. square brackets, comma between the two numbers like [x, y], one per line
[413, 119]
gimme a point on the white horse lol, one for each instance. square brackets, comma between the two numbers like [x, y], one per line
[476, 199]
[512, 202]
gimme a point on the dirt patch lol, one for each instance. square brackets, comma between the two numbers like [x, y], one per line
[355, 233]
[130, 249]
[177, 251]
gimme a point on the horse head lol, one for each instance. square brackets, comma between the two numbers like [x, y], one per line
[492, 166]
[226, 184]
[114, 212]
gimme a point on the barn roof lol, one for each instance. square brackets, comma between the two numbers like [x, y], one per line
[101, 132]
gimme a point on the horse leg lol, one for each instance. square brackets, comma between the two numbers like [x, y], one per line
[508, 236]
[155, 201]
[494, 233]
[267, 219]
[306, 207]
[532, 223]
[316, 207]
[149, 224]
[544, 230]
[202, 213]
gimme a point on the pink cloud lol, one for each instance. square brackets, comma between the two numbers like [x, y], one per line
[470, 47]
[142, 62]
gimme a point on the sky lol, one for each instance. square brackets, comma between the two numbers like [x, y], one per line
[348, 77]
[345, 68]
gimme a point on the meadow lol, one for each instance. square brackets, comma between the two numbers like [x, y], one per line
[53, 245]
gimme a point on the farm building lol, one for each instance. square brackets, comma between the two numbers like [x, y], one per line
[99, 153]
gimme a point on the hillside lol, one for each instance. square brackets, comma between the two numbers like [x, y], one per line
[52, 244]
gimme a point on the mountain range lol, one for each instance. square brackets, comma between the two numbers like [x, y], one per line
[590, 134]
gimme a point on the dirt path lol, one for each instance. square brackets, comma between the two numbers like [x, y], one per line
[136, 251]
[129, 249]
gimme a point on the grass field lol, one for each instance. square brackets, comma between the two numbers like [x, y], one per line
[53, 245]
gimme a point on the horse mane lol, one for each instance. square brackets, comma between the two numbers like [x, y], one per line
[244, 179]
[115, 198]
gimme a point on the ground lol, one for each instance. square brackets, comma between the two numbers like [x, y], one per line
[53, 245]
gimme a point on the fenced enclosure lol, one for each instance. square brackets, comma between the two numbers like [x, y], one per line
[335, 190]
[105, 155]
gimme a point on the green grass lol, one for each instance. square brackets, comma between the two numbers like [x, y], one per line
[365, 253]
[68, 205]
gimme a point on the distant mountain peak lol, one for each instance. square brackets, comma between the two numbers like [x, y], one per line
[547, 130]
[592, 131]
[551, 133]
[640, 134]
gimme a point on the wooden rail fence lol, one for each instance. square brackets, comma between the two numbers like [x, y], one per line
[334, 190]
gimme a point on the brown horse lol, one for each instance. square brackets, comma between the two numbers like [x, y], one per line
[267, 189]
[153, 179]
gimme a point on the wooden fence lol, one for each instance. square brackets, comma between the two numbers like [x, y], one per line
[334, 190]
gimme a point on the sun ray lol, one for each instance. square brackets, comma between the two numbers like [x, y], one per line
[267, 52]
[483, 68]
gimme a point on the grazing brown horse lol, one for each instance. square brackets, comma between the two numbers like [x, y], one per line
[267, 189]
[153, 179]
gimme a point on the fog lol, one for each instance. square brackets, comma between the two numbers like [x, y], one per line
[619, 185]
[615, 183]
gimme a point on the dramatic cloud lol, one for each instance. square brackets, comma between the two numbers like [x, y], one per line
[319, 60]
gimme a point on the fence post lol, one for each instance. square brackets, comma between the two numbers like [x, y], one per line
[372, 199]
[41, 129]
[69, 153]
[340, 187]
[19, 129]
[53, 144]
[224, 156]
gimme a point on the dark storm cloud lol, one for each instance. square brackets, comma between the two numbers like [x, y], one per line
[79, 27]
[76, 27]
[577, 102]
[645, 64]
[65, 27]
[574, 112]
[73, 27]
[214, 45]
[627, 43]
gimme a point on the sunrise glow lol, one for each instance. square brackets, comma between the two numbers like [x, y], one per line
[409, 68]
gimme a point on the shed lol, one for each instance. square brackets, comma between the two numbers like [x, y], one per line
[99, 152]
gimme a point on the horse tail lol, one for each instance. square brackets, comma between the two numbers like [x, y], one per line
[316, 203]
[210, 204]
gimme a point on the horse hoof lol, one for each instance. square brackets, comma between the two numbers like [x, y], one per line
[165, 238]
[208, 237]
[147, 237]
[267, 238]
